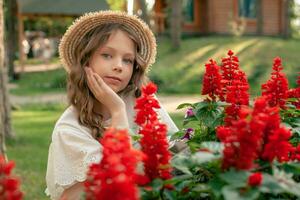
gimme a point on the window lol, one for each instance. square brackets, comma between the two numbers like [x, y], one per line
[188, 10]
[247, 8]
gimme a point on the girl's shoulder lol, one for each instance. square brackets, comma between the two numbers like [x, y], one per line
[68, 122]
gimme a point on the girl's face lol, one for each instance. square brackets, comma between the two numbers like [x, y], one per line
[114, 60]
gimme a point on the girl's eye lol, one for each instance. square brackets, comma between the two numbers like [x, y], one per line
[128, 61]
[106, 55]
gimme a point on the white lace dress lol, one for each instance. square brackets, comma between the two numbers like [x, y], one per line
[73, 149]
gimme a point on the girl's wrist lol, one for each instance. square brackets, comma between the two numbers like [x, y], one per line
[119, 119]
[118, 109]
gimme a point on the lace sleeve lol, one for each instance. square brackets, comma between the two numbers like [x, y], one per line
[70, 154]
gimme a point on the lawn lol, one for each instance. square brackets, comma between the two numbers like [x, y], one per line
[180, 71]
[33, 126]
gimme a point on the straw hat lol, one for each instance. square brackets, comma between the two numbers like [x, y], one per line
[87, 22]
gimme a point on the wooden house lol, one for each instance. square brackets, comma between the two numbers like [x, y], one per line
[262, 17]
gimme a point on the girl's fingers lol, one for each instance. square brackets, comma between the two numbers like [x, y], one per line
[95, 82]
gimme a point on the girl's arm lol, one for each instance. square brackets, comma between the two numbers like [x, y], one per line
[74, 192]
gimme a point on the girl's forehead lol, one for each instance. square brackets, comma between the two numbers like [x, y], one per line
[119, 41]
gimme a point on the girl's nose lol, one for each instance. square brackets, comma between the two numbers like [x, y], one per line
[118, 65]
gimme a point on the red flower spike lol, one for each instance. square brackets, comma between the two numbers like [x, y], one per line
[254, 135]
[212, 81]
[255, 179]
[115, 176]
[154, 135]
[234, 86]
[10, 185]
[276, 88]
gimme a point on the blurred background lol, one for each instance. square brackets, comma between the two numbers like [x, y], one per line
[188, 33]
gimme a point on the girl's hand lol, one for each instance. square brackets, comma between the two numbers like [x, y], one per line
[103, 92]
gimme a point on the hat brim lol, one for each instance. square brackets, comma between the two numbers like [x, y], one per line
[89, 21]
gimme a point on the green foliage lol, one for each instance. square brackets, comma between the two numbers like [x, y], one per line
[116, 4]
[50, 26]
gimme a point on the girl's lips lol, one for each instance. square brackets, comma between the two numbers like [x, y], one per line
[112, 79]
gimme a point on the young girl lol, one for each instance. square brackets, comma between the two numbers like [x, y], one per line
[106, 55]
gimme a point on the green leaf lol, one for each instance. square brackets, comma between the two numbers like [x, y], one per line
[270, 185]
[239, 180]
[286, 182]
[231, 193]
[170, 195]
[157, 185]
[189, 119]
[136, 137]
[181, 162]
[203, 157]
[176, 179]
[177, 135]
[215, 147]
[184, 105]
[216, 184]
[222, 103]
[293, 168]
[200, 105]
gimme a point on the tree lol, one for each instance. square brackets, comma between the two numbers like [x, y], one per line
[3, 90]
[143, 6]
[259, 17]
[176, 23]
[287, 12]
[11, 37]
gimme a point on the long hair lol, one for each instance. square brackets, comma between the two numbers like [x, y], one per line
[79, 94]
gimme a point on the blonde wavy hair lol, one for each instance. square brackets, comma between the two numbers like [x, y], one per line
[79, 94]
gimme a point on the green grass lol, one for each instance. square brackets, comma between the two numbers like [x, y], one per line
[40, 82]
[180, 71]
[33, 125]
[36, 61]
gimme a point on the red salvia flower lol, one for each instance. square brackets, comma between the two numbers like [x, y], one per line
[115, 176]
[229, 67]
[234, 87]
[154, 141]
[237, 95]
[255, 179]
[276, 89]
[9, 185]
[241, 141]
[278, 145]
[256, 134]
[212, 81]
[275, 138]
[296, 153]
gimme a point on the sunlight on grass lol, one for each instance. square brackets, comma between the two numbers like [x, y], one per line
[180, 71]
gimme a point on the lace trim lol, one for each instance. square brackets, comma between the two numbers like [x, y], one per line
[80, 169]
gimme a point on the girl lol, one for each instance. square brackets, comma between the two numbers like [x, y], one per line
[106, 55]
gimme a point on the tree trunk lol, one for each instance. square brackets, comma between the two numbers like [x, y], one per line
[259, 18]
[11, 36]
[286, 32]
[3, 91]
[176, 23]
[144, 16]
